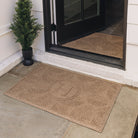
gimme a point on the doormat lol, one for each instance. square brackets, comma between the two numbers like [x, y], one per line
[80, 98]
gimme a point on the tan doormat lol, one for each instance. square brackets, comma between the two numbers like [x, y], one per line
[79, 98]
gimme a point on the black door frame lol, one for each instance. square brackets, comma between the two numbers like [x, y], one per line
[78, 54]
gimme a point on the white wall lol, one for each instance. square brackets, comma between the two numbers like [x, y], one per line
[7, 44]
[6, 12]
[8, 47]
[132, 40]
[38, 13]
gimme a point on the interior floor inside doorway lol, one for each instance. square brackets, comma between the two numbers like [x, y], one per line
[107, 42]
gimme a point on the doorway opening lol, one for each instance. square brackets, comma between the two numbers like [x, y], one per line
[109, 39]
[92, 30]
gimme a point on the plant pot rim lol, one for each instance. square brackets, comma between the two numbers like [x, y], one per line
[30, 48]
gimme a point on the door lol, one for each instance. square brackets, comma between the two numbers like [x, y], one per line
[76, 18]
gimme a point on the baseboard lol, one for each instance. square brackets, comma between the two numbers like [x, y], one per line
[10, 62]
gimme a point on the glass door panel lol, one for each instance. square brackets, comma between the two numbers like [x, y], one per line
[72, 11]
[76, 18]
[91, 8]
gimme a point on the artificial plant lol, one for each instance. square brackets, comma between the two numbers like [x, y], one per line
[25, 26]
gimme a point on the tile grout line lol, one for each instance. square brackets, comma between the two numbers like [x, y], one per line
[67, 130]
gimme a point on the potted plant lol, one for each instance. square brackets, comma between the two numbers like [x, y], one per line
[25, 29]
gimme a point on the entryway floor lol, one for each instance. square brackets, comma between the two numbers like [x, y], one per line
[19, 120]
[99, 43]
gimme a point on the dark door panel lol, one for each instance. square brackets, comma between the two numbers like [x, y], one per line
[76, 18]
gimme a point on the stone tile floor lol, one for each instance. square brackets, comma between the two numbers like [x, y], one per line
[19, 120]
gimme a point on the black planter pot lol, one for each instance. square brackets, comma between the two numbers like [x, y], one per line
[27, 55]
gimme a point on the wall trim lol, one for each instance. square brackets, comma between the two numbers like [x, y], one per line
[10, 62]
[89, 68]
[4, 29]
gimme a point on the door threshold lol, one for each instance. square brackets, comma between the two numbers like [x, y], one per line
[87, 56]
